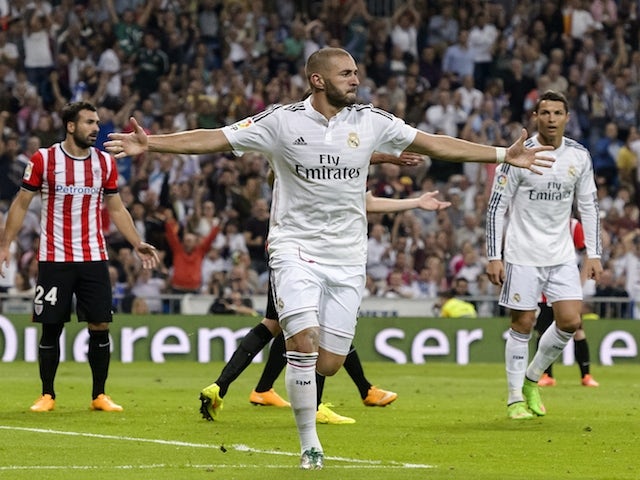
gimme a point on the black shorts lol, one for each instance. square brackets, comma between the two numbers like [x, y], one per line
[59, 281]
[545, 317]
[271, 312]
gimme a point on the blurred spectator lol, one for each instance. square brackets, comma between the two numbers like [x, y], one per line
[459, 59]
[397, 288]
[442, 29]
[38, 60]
[404, 31]
[149, 288]
[445, 115]
[233, 304]
[356, 21]
[380, 255]
[482, 38]
[187, 257]
[605, 151]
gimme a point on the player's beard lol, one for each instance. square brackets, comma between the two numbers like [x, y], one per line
[336, 98]
[83, 141]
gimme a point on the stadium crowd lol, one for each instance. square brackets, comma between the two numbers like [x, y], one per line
[469, 68]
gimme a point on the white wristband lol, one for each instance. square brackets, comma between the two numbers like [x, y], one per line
[501, 154]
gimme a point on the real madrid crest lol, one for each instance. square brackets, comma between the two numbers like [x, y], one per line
[516, 297]
[572, 171]
[353, 140]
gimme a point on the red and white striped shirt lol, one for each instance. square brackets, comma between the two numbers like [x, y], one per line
[72, 191]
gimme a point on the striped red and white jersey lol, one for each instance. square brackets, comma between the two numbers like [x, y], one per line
[72, 191]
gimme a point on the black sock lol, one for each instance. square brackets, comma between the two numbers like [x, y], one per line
[274, 366]
[354, 368]
[320, 388]
[253, 342]
[581, 351]
[99, 356]
[49, 356]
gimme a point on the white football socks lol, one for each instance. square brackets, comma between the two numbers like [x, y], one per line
[551, 344]
[300, 380]
[516, 356]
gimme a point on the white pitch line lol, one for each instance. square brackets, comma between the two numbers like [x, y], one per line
[238, 448]
[162, 465]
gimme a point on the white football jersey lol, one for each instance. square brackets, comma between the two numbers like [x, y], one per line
[318, 208]
[539, 209]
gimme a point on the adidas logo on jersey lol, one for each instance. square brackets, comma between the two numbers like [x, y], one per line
[299, 141]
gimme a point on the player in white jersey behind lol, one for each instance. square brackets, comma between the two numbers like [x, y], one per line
[74, 179]
[319, 150]
[537, 255]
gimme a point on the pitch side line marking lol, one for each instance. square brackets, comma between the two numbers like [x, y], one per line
[239, 448]
[161, 465]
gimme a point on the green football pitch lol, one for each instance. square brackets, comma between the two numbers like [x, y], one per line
[449, 422]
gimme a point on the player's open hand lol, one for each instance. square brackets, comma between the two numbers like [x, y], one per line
[529, 158]
[127, 144]
[148, 255]
[428, 201]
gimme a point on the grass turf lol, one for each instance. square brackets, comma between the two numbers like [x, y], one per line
[449, 422]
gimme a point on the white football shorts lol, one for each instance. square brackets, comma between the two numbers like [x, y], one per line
[523, 285]
[333, 292]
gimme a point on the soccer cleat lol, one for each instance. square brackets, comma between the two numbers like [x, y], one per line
[328, 416]
[588, 381]
[376, 397]
[547, 381]
[312, 459]
[45, 403]
[531, 393]
[268, 399]
[518, 411]
[103, 402]
[210, 402]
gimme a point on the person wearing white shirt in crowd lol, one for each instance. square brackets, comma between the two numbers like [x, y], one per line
[380, 253]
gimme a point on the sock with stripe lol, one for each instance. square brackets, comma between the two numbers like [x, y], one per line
[300, 379]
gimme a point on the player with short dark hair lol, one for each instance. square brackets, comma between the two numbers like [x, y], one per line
[74, 179]
[319, 150]
[537, 255]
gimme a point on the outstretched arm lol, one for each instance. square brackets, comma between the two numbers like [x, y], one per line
[426, 201]
[192, 141]
[451, 149]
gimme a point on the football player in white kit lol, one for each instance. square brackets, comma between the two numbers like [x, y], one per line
[319, 150]
[537, 255]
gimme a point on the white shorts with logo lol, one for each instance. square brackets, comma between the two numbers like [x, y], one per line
[332, 292]
[523, 285]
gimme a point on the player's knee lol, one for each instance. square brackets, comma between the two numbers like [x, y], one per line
[97, 327]
[327, 368]
[523, 322]
[51, 334]
[302, 331]
[306, 341]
